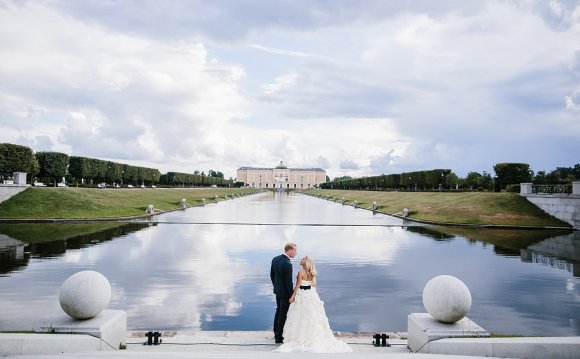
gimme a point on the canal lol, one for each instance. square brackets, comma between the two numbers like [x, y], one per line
[207, 268]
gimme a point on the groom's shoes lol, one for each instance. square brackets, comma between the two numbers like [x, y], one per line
[279, 341]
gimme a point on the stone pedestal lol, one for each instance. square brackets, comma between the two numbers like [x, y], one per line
[525, 188]
[20, 178]
[422, 329]
[109, 325]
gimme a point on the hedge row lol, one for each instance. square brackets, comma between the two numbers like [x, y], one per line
[419, 180]
[53, 166]
[187, 180]
[95, 170]
[16, 158]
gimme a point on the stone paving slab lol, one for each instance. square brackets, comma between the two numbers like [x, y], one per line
[235, 344]
[240, 355]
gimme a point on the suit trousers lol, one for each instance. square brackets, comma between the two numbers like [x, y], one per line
[282, 305]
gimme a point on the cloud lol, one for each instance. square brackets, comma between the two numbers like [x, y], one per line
[277, 51]
[281, 82]
[388, 86]
[116, 96]
[573, 101]
[381, 163]
[349, 165]
[185, 18]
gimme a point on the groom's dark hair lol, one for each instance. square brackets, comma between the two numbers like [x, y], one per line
[289, 246]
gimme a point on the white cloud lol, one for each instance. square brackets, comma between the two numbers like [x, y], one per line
[277, 51]
[349, 165]
[573, 101]
[122, 96]
[280, 83]
[392, 87]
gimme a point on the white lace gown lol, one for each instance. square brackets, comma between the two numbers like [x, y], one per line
[307, 328]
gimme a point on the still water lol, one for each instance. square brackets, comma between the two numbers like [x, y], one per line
[207, 268]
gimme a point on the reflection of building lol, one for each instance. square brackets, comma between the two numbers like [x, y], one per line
[561, 252]
[11, 248]
[12, 255]
[281, 177]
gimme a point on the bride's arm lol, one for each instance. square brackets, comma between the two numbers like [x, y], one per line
[298, 283]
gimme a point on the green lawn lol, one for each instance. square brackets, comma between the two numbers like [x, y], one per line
[476, 208]
[91, 203]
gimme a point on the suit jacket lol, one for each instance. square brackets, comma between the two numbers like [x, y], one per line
[281, 276]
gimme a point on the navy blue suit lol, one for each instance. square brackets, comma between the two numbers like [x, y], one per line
[281, 276]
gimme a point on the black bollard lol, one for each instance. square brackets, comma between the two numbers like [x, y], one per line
[156, 340]
[384, 340]
[377, 342]
[149, 336]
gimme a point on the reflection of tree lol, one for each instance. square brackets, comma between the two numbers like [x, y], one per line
[14, 253]
[530, 246]
[50, 232]
[431, 232]
[505, 241]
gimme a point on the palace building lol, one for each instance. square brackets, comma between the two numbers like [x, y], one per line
[281, 177]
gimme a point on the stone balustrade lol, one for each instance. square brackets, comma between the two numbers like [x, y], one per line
[563, 206]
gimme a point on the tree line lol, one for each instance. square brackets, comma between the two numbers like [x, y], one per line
[178, 179]
[418, 180]
[508, 176]
[52, 167]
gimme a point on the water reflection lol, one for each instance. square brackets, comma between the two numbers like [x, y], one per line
[11, 254]
[176, 274]
[561, 252]
[53, 240]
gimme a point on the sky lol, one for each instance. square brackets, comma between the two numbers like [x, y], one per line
[358, 88]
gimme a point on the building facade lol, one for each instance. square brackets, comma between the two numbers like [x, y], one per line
[281, 177]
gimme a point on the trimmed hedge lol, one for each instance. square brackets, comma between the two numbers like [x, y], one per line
[420, 180]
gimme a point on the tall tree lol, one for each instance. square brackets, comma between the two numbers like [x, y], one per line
[473, 180]
[79, 168]
[53, 165]
[215, 174]
[512, 173]
[17, 158]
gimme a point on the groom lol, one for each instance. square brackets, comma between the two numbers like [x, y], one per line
[281, 276]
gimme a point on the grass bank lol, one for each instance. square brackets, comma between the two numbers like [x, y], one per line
[92, 203]
[472, 208]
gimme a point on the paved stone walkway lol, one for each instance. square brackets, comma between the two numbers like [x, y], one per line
[240, 345]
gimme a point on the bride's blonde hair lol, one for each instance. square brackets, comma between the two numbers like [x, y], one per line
[310, 269]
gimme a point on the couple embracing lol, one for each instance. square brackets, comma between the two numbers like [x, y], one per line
[300, 323]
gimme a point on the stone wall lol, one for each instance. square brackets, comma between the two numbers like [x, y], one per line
[562, 206]
[7, 191]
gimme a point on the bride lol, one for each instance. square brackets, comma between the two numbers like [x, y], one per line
[307, 328]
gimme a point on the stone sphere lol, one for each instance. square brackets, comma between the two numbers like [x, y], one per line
[446, 298]
[85, 294]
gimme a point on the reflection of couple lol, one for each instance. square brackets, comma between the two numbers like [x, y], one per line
[300, 322]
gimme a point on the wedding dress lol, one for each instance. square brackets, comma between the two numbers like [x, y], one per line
[307, 328]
